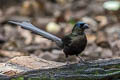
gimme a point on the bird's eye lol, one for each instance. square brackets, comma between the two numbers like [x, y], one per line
[81, 24]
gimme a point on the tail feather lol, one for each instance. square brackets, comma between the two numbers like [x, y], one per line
[29, 26]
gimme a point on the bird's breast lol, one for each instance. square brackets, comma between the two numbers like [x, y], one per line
[79, 41]
[76, 46]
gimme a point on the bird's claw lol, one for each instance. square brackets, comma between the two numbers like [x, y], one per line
[67, 63]
[81, 60]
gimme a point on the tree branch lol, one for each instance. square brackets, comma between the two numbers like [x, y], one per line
[100, 69]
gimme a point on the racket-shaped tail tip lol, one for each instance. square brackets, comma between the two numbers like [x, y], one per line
[13, 22]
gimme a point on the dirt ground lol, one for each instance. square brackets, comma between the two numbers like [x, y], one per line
[103, 35]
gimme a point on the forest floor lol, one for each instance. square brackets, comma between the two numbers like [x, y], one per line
[103, 35]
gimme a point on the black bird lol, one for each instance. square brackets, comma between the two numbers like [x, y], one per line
[72, 44]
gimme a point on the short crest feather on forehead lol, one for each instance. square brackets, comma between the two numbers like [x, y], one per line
[79, 23]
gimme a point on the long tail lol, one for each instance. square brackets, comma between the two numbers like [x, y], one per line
[29, 26]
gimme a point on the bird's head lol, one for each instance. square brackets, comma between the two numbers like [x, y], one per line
[80, 27]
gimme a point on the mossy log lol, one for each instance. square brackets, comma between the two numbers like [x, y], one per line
[95, 70]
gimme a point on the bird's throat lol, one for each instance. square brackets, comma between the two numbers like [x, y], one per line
[78, 32]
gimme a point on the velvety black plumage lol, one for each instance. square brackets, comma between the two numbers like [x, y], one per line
[72, 44]
[75, 42]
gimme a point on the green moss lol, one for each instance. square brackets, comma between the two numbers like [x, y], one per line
[112, 66]
[13, 79]
[35, 78]
[19, 78]
[96, 72]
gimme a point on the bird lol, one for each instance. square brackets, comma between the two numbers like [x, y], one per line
[71, 44]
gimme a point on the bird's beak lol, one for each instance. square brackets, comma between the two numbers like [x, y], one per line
[86, 26]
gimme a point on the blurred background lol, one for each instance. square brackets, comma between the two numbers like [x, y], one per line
[58, 18]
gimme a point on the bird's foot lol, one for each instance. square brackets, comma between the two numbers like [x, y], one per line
[67, 62]
[84, 62]
[81, 60]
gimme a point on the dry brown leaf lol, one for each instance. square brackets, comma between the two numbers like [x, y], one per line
[102, 40]
[102, 21]
[34, 62]
[10, 73]
[91, 38]
[10, 53]
[26, 34]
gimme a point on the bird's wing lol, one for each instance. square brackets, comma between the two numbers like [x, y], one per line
[67, 40]
[29, 26]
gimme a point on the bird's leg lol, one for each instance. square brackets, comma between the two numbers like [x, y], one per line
[81, 60]
[67, 61]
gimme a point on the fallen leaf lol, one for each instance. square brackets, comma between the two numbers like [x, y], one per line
[10, 54]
